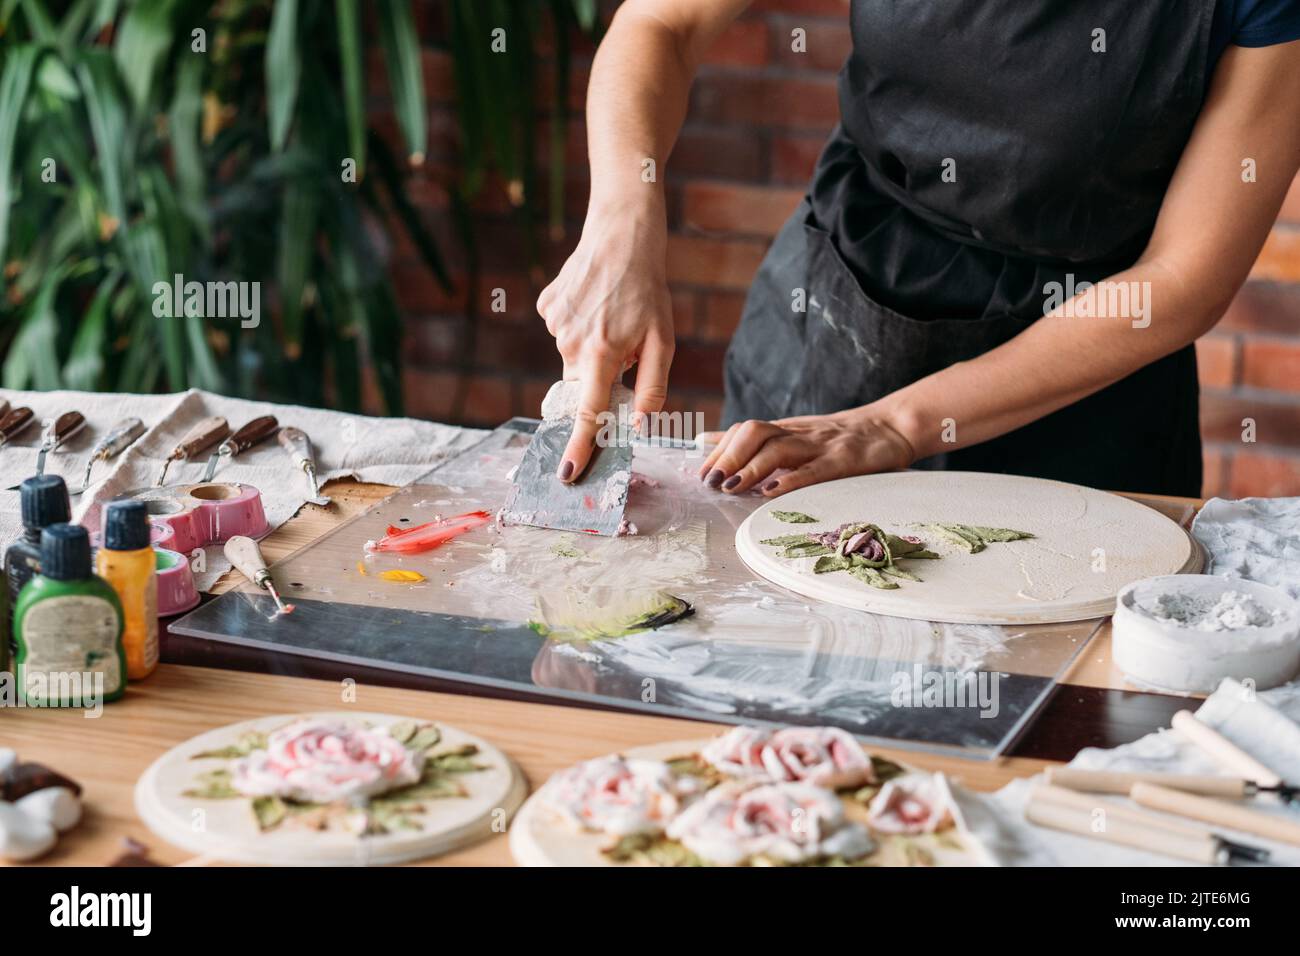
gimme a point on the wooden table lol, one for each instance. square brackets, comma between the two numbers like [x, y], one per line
[107, 754]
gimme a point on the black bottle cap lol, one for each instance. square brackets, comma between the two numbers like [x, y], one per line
[44, 501]
[65, 552]
[126, 526]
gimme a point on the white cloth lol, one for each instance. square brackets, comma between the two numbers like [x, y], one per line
[393, 451]
[1265, 725]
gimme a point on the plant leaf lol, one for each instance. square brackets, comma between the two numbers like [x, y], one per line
[350, 60]
[283, 70]
[15, 83]
[405, 77]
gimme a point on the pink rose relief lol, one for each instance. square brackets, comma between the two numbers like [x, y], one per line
[915, 803]
[619, 796]
[316, 761]
[825, 756]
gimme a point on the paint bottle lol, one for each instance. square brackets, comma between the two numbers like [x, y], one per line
[127, 561]
[44, 502]
[68, 626]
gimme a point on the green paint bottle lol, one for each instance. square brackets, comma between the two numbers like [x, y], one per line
[68, 628]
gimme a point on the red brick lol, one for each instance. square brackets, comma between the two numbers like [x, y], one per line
[708, 151]
[722, 315]
[1216, 361]
[527, 348]
[762, 100]
[715, 263]
[489, 400]
[418, 290]
[795, 157]
[697, 365]
[428, 394]
[742, 43]
[743, 210]
[1271, 364]
[430, 342]
[826, 43]
[1279, 260]
[685, 309]
[1276, 422]
[1291, 204]
[1264, 307]
[1264, 475]
[1214, 465]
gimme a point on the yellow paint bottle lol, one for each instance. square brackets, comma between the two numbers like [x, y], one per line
[127, 561]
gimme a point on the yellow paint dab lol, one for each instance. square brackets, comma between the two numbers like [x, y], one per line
[361, 568]
[405, 577]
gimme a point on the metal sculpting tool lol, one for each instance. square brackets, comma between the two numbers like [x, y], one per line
[57, 431]
[258, 430]
[196, 441]
[246, 556]
[298, 445]
[14, 422]
[119, 438]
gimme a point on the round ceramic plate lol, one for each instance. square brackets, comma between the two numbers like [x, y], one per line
[540, 837]
[168, 799]
[1087, 545]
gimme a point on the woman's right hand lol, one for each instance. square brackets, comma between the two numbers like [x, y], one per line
[608, 309]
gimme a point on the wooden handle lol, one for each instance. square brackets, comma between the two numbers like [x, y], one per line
[1116, 811]
[1229, 755]
[119, 438]
[1111, 781]
[14, 421]
[258, 430]
[202, 436]
[1203, 849]
[63, 428]
[245, 555]
[1216, 812]
[4, 407]
[297, 444]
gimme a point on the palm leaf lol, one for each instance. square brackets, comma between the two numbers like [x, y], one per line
[350, 60]
[283, 69]
[405, 78]
[15, 83]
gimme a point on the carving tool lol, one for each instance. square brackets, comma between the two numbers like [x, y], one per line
[594, 503]
[298, 445]
[196, 441]
[56, 432]
[246, 556]
[1071, 812]
[258, 430]
[4, 407]
[1216, 812]
[14, 422]
[1118, 782]
[119, 438]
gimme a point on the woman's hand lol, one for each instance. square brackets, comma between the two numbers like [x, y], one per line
[609, 308]
[815, 448]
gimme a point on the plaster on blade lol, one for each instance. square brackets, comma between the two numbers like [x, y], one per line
[593, 504]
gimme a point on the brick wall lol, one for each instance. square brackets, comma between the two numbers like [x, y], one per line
[759, 114]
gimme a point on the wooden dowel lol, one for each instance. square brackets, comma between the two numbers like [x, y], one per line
[1216, 812]
[1119, 782]
[1231, 757]
[1048, 812]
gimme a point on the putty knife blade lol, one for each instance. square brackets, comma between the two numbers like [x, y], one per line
[593, 504]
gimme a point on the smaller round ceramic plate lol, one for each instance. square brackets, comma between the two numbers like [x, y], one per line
[540, 837]
[173, 799]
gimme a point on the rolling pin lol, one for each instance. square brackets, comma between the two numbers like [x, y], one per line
[1229, 755]
[1117, 782]
[196, 441]
[1216, 812]
[1203, 847]
[258, 430]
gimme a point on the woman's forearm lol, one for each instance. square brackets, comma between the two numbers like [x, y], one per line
[1063, 357]
[638, 94]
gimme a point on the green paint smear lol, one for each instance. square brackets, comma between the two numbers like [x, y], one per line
[793, 517]
[575, 620]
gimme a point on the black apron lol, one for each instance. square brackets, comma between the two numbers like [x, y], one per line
[1062, 154]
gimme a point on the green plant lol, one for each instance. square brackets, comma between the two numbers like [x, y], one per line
[216, 141]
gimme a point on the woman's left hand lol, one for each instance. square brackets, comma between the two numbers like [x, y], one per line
[814, 448]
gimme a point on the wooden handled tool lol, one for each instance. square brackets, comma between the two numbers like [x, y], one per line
[4, 407]
[1110, 781]
[1201, 848]
[1229, 755]
[14, 423]
[195, 441]
[298, 445]
[246, 556]
[258, 430]
[56, 433]
[1216, 812]
[119, 438]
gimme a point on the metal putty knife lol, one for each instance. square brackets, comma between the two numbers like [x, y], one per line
[593, 504]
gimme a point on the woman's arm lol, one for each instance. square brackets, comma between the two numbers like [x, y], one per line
[609, 306]
[1209, 232]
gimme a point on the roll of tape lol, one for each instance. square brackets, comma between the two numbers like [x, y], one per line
[1167, 655]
